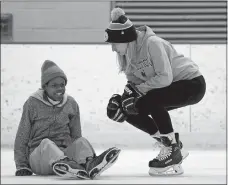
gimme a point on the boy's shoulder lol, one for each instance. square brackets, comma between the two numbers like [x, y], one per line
[30, 100]
[72, 99]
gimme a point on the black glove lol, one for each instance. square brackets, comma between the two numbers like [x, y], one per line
[23, 172]
[114, 109]
[129, 98]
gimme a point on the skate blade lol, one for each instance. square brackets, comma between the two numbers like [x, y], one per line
[173, 170]
[96, 172]
[63, 172]
[176, 169]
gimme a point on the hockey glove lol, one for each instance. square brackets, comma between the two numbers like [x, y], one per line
[23, 172]
[129, 98]
[114, 109]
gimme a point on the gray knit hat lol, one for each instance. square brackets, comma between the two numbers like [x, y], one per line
[50, 70]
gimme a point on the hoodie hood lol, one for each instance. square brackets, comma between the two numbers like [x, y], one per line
[144, 32]
[39, 95]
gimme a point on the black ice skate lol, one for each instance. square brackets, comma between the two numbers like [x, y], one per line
[69, 169]
[98, 164]
[168, 161]
[184, 153]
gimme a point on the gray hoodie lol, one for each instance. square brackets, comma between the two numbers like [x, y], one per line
[40, 119]
[157, 63]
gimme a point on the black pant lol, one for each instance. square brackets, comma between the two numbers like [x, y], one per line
[154, 106]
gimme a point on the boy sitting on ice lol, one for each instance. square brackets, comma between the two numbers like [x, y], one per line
[49, 139]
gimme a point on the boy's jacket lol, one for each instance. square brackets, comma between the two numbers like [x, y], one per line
[40, 119]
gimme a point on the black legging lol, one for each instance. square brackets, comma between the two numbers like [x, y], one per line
[156, 103]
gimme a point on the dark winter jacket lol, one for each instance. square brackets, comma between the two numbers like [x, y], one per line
[40, 119]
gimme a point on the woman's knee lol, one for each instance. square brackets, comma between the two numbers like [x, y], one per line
[145, 106]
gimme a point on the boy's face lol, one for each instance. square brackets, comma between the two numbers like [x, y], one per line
[55, 88]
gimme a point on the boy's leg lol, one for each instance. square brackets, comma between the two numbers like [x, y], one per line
[80, 150]
[43, 156]
[48, 159]
[95, 166]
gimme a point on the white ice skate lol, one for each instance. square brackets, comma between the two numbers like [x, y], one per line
[64, 170]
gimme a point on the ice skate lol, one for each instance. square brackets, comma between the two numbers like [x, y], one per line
[168, 161]
[184, 153]
[98, 164]
[69, 169]
[167, 171]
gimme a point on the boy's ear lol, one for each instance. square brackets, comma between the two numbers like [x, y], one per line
[45, 86]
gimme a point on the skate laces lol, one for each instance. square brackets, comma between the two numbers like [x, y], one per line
[66, 159]
[158, 144]
[165, 152]
[72, 163]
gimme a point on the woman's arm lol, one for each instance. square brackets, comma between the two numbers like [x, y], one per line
[162, 66]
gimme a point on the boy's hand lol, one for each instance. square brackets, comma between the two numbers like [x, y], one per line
[23, 172]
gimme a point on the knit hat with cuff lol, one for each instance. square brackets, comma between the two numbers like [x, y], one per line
[50, 70]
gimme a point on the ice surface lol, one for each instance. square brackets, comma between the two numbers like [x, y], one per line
[201, 167]
[92, 70]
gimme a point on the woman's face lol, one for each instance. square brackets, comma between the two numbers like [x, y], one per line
[120, 48]
[55, 88]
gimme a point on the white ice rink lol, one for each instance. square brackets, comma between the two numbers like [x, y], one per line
[200, 126]
[201, 167]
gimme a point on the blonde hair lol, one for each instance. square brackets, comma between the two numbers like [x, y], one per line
[125, 62]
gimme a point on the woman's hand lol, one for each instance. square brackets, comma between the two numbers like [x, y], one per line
[129, 98]
[114, 109]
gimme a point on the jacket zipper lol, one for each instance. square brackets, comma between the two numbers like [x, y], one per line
[53, 121]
